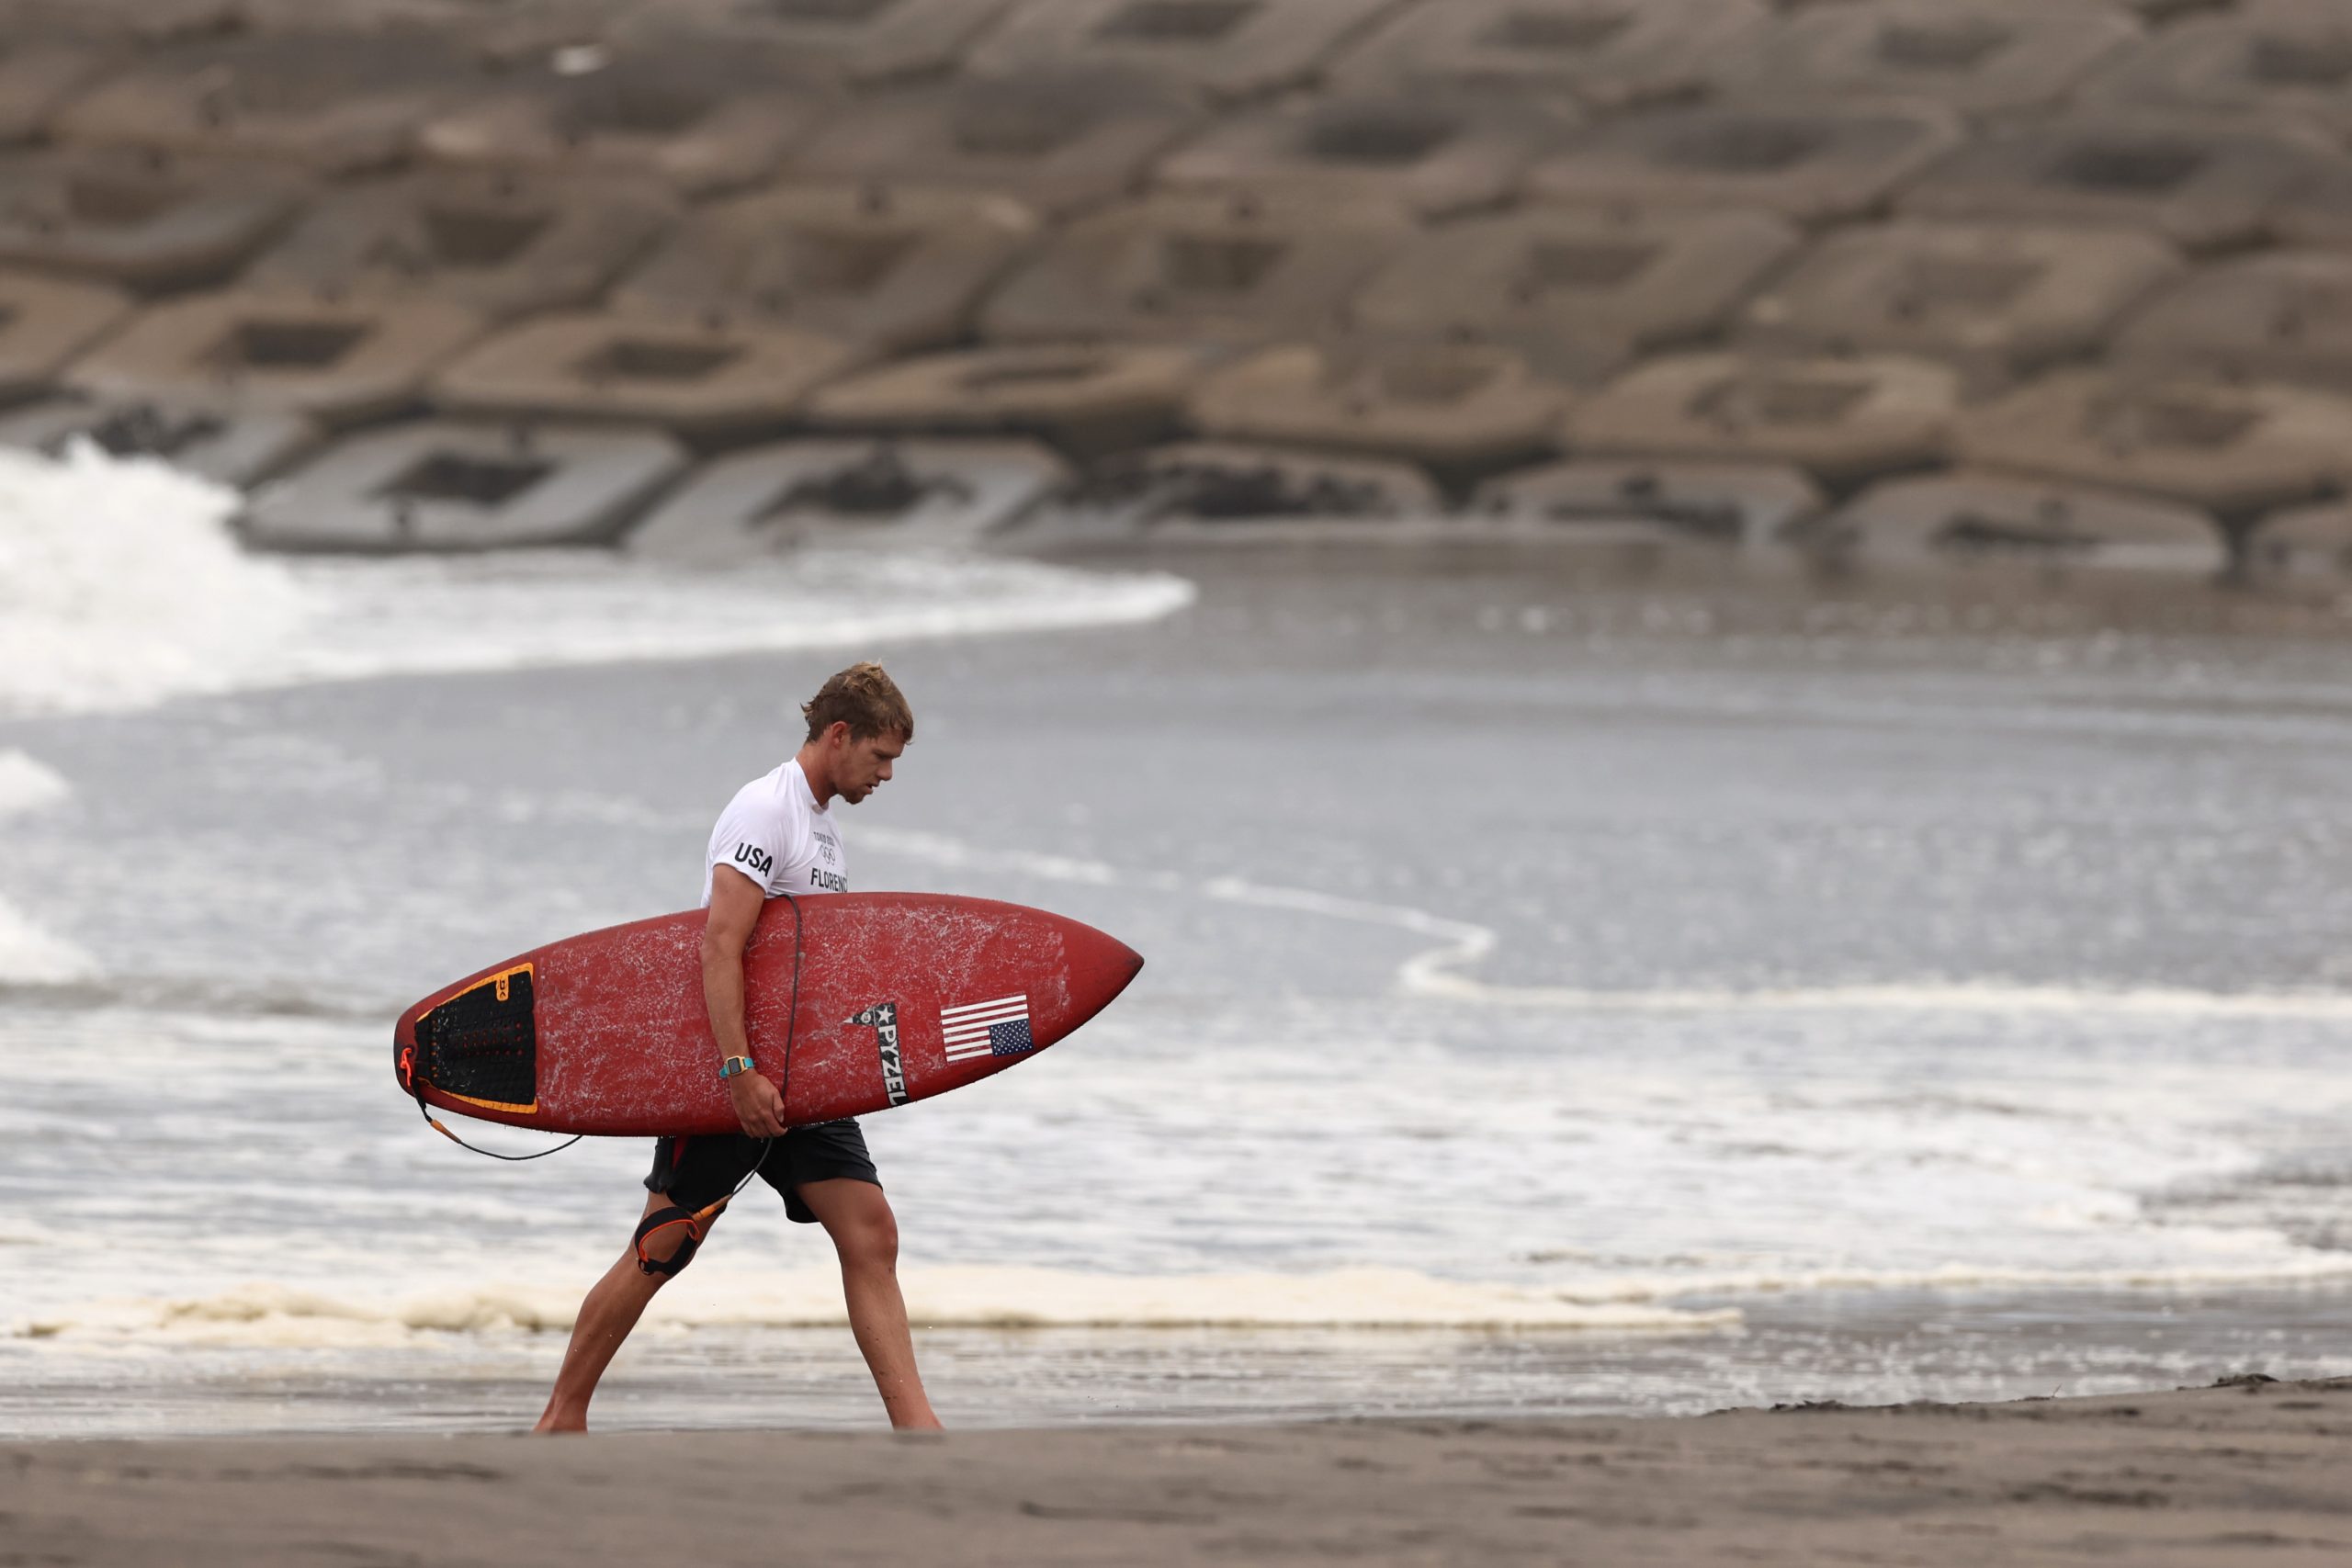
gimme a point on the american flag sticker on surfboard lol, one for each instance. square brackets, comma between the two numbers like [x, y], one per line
[998, 1027]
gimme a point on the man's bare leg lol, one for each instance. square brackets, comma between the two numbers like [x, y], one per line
[866, 1234]
[615, 1303]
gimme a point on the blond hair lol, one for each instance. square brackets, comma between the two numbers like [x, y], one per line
[865, 699]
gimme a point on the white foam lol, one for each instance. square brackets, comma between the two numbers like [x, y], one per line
[2313, 1268]
[1430, 975]
[1350, 1298]
[522, 612]
[1438, 971]
[29, 956]
[121, 586]
[27, 786]
[967, 1297]
[260, 1314]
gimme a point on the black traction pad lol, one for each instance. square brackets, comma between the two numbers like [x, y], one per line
[483, 1044]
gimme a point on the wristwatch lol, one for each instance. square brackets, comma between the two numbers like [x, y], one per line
[733, 1065]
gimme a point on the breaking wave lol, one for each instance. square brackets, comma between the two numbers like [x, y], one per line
[28, 785]
[263, 1315]
[954, 1297]
[29, 956]
[121, 586]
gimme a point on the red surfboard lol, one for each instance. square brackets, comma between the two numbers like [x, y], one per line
[901, 996]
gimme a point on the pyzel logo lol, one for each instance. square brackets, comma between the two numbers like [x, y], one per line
[883, 1018]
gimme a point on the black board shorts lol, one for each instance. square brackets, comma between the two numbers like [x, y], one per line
[702, 1169]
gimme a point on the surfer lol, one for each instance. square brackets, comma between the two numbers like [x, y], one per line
[776, 836]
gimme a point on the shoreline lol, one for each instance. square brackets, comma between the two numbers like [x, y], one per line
[2246, 1470]
[1861, 1348]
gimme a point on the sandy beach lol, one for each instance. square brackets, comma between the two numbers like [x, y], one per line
[1702, 643]
[2245, 1471]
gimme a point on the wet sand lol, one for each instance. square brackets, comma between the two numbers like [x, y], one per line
[2250, 1471]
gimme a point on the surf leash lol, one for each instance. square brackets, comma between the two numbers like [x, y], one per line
[697, 1223]
[416, 1088]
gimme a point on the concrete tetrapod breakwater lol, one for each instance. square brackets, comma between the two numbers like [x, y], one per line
[1961, 284]
[1979, 58]
[238, 450]
[1707, 505]
[44, 323]
[1995, 302]
[140, 219]
[333, 103]
[2001, 521]
[702, 118]
[465, 487]
[869, 493]
[894, 268]
[503, 242]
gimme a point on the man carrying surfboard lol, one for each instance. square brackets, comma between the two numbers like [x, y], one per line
[776, 836]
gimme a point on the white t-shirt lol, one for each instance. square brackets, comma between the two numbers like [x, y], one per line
[775, 833]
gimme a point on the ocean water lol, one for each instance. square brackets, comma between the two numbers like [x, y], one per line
[1561, 996]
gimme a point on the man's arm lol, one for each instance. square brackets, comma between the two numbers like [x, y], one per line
[735, 904]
